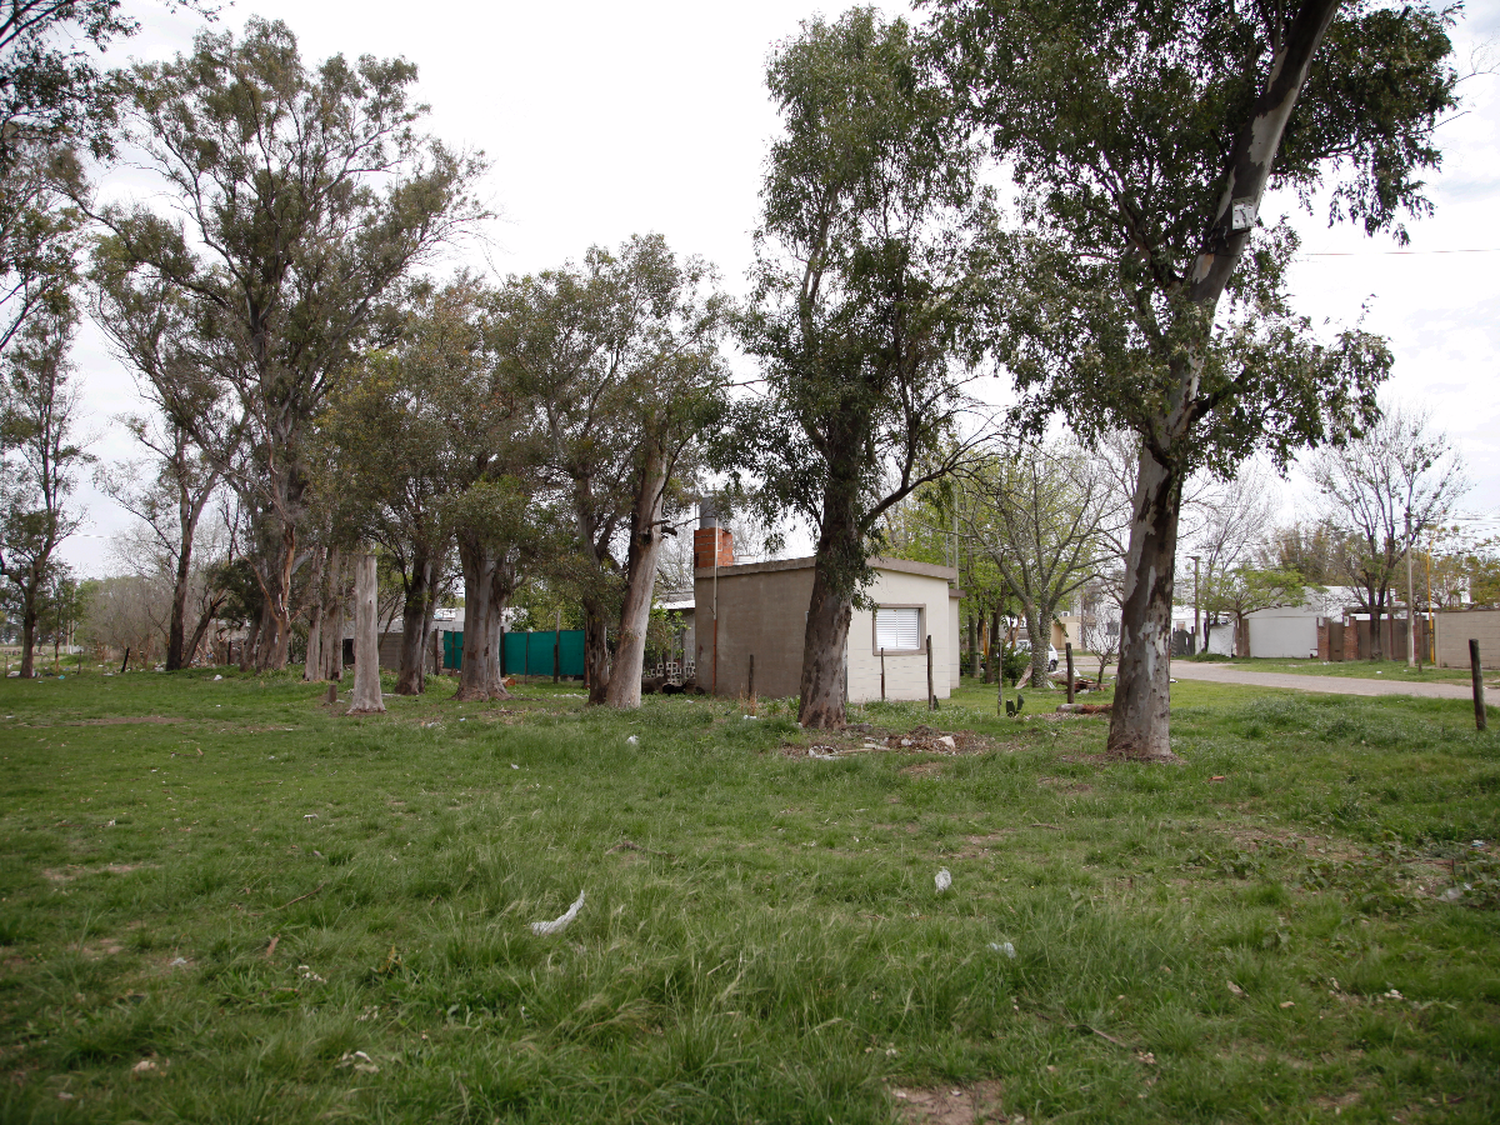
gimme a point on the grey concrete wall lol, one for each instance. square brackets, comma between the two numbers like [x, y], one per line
[1454, 628]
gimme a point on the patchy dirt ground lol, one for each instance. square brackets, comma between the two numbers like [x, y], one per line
[863, 738]
[978, 1104]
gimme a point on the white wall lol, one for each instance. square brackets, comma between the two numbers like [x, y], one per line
[905, 675]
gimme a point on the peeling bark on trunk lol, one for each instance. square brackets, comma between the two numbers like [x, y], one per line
[366, 697]
[1139, 719]
[827, 636]
[247, 646]
[312, 668]
[1037, 632]
[333, 618]
[624, 687]
[484, 605]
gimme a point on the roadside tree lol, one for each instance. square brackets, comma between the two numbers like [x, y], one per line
[1142, 292]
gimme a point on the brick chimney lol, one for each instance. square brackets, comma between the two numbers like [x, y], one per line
[711, 542]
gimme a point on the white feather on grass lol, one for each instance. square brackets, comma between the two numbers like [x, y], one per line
[559, 924]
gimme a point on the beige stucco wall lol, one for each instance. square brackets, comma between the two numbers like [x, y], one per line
[762, 611]
[1453, 631]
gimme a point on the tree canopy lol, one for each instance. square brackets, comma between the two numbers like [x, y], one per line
[1142, 290]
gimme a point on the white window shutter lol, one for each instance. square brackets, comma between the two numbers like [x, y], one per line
[898, 629]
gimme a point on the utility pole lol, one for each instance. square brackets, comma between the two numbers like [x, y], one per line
[1411, 613]
[1198, 645]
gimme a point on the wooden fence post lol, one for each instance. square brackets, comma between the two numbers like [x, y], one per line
[1068, 648]
[931, 697]
[1480, 719]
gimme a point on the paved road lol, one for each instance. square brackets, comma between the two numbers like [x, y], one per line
[1326, 685]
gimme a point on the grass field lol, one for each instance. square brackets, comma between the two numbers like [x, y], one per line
[1361, 670]
[221, 900]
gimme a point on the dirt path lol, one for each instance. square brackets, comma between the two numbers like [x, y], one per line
[1326, 685]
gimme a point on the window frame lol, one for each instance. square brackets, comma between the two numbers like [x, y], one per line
[920, 650]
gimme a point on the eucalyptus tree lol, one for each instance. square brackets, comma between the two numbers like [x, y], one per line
[432, 446]
[1143, 292]
[872, 233]
[621, 357]
[39, 458]
[301, 201]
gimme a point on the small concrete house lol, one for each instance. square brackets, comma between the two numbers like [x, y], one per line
[759, 610]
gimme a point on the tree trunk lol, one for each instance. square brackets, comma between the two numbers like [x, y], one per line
[826, 637]
[484, 604]
[313, 667]
[973, 647]
[1038, 618]
[1140, 716]
[28, 639]
[624, 688]
[205, 620]
[595, 650]
[416, 611]
[366, 696]
[177, 628]
[247, 646]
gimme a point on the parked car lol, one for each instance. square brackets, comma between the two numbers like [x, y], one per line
[1023, 644]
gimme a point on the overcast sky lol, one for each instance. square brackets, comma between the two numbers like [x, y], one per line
[602, 120]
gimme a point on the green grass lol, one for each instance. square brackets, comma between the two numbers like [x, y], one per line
[295, 916]
[1356, 669]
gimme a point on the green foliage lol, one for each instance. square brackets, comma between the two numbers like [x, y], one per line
[872, 234]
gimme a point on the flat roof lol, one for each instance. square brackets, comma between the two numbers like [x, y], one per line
[896, 566]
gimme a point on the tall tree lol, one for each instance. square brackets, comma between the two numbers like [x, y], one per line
[621, 356]
[1386, 490]
[39, 457]
[1144, 294]
[304, 200]
[871, 235]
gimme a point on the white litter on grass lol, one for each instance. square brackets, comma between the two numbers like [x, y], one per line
[514, 766]
[749, 716]
[943, 880]
[560, 923]
[310, 816]
[218, 677]
[1004, 947]
[633, 741]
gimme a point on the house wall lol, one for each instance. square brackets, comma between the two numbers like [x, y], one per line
[762, 612]
[955, 630]
[906, 673]
[1455, 628]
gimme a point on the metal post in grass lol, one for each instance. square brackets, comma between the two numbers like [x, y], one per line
[882, 673]
[1068, 649]
[931, 695]
[750, 688]
[1480, 721]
